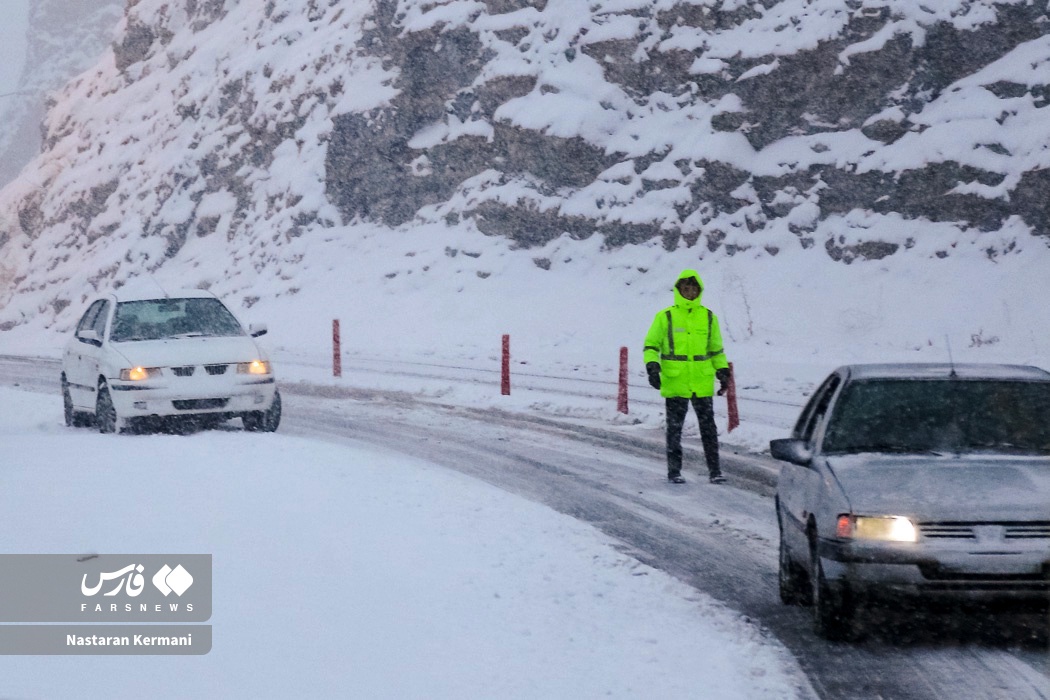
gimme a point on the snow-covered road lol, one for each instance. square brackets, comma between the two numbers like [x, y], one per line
[720, 541]
[343, 570]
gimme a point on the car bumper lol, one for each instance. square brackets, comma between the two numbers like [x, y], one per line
[1007, 572]
[203, 395]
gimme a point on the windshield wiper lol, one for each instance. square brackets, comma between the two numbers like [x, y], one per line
[191, 334]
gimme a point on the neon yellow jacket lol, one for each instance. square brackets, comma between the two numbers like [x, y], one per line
[687, 342]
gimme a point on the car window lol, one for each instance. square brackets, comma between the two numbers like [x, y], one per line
[88, 319]
[99, 324]
[950, 415]
[173, 318]
[817, 407]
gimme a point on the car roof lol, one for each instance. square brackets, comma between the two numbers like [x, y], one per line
[943, 370]
[149, 293]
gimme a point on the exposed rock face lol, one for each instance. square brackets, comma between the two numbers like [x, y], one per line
[858, 86]
[730, 126]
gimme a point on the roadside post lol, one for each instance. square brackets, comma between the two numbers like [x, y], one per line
[734, 414]
[337, 354]
[505, 374]
[621, 396]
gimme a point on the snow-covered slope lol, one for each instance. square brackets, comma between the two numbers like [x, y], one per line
[64, 38]
[801, 149]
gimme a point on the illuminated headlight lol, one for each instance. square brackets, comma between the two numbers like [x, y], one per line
[253, 367]
[137, 374]
[886, 528]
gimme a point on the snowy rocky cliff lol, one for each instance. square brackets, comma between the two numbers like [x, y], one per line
[244, 131]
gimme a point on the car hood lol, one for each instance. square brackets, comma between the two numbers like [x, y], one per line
[946, 488]
[177, 352]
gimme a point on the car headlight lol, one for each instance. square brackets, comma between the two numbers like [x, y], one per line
[885, 528]
[253, 367]
[138, 374]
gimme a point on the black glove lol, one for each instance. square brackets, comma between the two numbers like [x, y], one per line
[653, 369]
[723, 380]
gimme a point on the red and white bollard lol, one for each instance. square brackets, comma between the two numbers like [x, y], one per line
[734, 414]
[505, 374]
[621, 396]
[337, 354]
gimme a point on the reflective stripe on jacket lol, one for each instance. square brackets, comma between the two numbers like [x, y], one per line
[687, 342]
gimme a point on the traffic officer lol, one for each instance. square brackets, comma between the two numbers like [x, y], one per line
[683, 357]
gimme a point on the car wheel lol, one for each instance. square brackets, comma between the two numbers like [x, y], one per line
[793, 585]
[833, 610]
[73, 417]
[264, 421]
[253, 421]
[272, 418]
[105, 412]
[67, 403]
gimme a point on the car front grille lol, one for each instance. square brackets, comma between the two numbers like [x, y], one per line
[1027, 531]
[947, 531]
[1037, 530]
[188, 370]
[198, 404]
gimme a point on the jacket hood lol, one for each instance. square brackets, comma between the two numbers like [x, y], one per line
[680, 300]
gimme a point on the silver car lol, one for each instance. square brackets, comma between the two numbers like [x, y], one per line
[918, 480]
[137, 358]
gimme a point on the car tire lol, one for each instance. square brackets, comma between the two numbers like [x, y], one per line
[73, 417]
[264, 421]
[833, 609]
[253, 421]
[794, 589]
[106, 417]
[67, 404]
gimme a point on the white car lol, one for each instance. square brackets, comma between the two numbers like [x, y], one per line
[921, 481]
[136, 358]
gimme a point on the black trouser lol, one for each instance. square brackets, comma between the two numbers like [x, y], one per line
[677, 407]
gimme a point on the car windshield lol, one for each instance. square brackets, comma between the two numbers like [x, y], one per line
[172, 318]
[951, 415]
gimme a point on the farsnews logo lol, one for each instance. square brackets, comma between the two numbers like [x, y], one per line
[130, 579]
[130, 574]
[169, 580]
[101, 588]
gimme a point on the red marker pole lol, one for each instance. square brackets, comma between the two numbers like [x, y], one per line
[337, 354]
[621, 396]
[505, 375]
[734, 415]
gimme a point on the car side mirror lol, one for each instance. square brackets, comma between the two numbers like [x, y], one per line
[791, 450]
[90, 335]
[257, 329]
